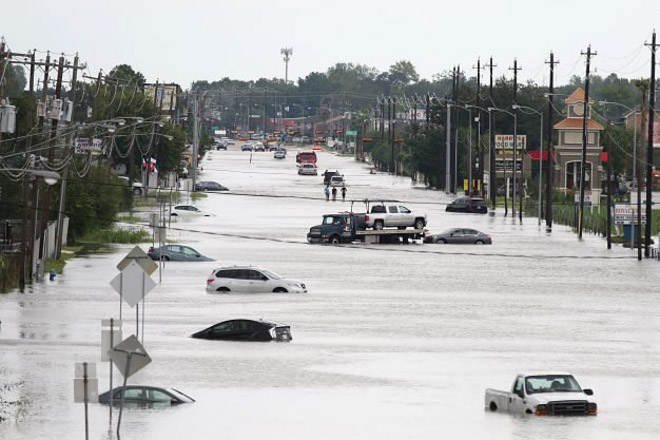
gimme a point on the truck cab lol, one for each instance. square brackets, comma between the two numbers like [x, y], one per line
[543, 394]
[336, 228]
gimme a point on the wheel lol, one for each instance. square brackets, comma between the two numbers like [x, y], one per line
[378, 225]
[166, 258]
[492, 406]
[223, 289]
[441, 241]
[419, 223]
[137, 191]
[479, 242]
[280, 290]
[401, 228]
[334, 240]
[174, 214]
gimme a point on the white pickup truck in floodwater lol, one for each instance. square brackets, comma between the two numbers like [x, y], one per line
[544, 394]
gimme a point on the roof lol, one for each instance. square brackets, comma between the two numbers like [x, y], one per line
[576, 123]
[577, 96]
[545, 373]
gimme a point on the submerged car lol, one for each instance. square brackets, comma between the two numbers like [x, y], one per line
[459, 236]
[146, 395]
[175, 252]
[247, 147]
[468, 204]
[188, 210]
[280, 154]
[252, 280]
[210, 186]
[308, 169]
[246, 330]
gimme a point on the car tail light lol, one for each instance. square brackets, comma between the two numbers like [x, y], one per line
[593, 408]
[209, 280]
[366, 218]
[541, 410]
[151, 249]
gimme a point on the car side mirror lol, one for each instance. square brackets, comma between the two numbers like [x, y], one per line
[451, 235]
[197, 255]
[264, 278]
[588, 392]
[520, 394]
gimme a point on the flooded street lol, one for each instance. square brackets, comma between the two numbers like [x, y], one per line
[391, 342]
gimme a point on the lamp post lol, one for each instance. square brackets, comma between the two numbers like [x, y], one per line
[515, 158]
[491, 173]
[634, 170]
[522, 107]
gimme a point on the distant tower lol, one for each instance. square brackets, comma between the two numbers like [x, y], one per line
[287, 52]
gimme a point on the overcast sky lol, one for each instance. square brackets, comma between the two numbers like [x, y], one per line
[186, 40]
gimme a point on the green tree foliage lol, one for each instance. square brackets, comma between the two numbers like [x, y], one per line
[403, 73]
[15, 80]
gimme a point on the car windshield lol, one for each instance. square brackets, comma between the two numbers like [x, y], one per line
[271, 275]
[562, 383]
[180, 395]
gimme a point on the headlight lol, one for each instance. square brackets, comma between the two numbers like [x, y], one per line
[541, 410]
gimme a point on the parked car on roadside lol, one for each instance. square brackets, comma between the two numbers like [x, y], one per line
[246, 330]
[210, 185]
[175, 252]
[251, 279]
[145, 395]
[307, 169]
[469, 205]
[459, 236]
[543, 394]
[188, 210]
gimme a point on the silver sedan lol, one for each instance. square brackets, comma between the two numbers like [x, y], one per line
[460, 236]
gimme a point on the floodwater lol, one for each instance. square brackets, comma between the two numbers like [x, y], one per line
[391, 342]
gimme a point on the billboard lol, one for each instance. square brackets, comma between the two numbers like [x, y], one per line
[625, 214]
[165, 96]
[505, 142]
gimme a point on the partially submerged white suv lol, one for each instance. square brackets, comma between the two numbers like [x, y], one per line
[252, 280]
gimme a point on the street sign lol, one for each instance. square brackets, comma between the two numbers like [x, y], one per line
[141, 257]
[132, 284]
[626, 214]
[351, 133]
[84, 145]
[139, 356]
[85, 372]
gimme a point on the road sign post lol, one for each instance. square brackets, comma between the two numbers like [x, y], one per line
[129, 357]
[108, 338]
[85, 388]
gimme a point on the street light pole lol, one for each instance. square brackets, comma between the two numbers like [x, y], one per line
[540, 197]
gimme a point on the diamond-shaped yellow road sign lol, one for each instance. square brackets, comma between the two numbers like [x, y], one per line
[141, 258]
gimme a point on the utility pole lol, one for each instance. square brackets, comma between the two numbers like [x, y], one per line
[51, 151]
[649, 152]
[287, 52]
[638, 227]
[492, 180]
[65, 172]
[585, 122]
[195, 139]
[382, 118]
[609, 191]
[515, 69]
[550, 190]
[389, 127]
[480, 158]
[456, 119]
[394, 171]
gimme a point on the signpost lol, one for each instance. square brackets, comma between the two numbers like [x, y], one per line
[85, 388]
[108, 340]
[129, 357]
[626, 214]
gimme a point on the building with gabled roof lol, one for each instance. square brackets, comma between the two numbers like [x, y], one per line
[568, 151]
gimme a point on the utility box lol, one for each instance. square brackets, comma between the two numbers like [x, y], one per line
[7, 118]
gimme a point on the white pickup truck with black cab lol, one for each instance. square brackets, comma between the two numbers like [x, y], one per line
[543, 394]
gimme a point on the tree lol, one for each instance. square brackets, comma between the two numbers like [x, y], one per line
[15, 80]
[403, 73]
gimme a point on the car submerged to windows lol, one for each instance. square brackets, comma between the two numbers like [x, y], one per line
[459, 236]
[251, 280]
[174, 252]
[210, 185]
[188, 210]
[146, 395]
[469, 205]
[246, 330]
